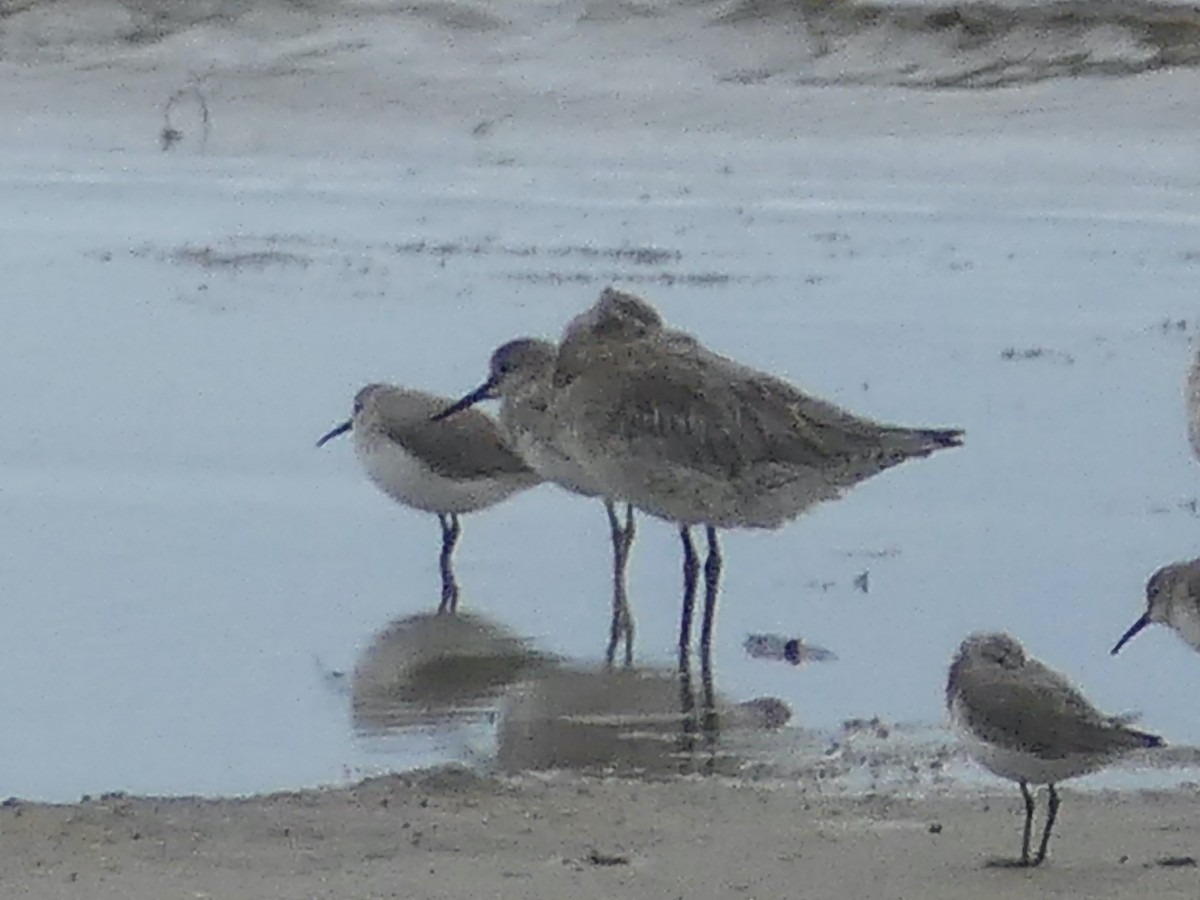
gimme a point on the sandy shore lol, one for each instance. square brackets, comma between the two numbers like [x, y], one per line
[450, 833]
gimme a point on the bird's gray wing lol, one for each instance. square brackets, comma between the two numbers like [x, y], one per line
[670, 405]
[1036, 710]
[1191, 578]
[696, 408]
[465, 446]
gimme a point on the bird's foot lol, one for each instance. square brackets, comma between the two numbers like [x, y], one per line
[1007, 863]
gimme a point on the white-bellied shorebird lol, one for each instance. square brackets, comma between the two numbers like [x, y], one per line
[1172, 598]
[448, 468]
[1027, 723]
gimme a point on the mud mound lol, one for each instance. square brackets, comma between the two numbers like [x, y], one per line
[969, 45]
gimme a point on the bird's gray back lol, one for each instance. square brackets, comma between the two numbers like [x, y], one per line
[466, 446]
[1033, 709]
[687, 406]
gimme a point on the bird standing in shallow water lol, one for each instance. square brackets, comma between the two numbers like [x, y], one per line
[698, 439]
[1172, 598]
[1027, 723]
[689, 436]
[528, 367]
[448, 468]
[525, 415]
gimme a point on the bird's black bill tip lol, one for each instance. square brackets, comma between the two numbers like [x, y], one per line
[340, 430]
[486, 391]
[1129, 635]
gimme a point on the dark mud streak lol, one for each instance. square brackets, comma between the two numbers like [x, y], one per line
[693, 279]
[642, 256]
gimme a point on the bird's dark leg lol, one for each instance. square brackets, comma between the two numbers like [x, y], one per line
[1026, 835]
[712, 581]
[1028, 832]
[627, 620]
[687, 714]
[710, 725]
[622, 620]
[450, 532]
[1051, 814]
[691, 569]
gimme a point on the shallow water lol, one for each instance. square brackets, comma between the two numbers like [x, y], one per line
[181, 567]
[178, 554]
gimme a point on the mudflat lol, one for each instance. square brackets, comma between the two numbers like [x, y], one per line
[449, 832]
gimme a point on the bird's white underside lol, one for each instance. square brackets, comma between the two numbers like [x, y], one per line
[405, 478]
[1021, 765]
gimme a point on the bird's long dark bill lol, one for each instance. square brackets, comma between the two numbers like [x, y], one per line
[341, 429]
[1134, 629]
[486, 391]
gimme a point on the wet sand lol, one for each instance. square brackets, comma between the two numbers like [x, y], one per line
[451, 833]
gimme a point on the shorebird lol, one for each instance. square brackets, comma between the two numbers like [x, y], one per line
[694, 438]
[448, 468]
[698, 439]
[1172, 598]
[528, 366]
[1027, 723]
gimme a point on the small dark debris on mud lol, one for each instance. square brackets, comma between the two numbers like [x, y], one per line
[596, 858]
[1012, 354]
[1176, 862]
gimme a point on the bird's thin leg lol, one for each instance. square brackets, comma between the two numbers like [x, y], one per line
[622, 620]
[710, 724]
[1028, 832]
[687, 715]
[1026, 835]
[627, 613]
[712, 581]
[1051, 814]
[691, 569]
[450, 532]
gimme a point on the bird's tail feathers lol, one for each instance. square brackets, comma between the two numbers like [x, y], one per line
[1148, 740]
[923, 441]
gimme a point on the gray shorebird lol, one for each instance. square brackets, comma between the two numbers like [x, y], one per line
[694, 438]
[528, 366]
[1172, 598]
[447, 468]
[698, 439]
[1025, 722]
[526, 415]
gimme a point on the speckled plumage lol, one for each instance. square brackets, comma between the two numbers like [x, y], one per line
[1027, 723]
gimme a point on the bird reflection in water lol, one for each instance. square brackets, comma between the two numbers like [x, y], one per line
[430, 670]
